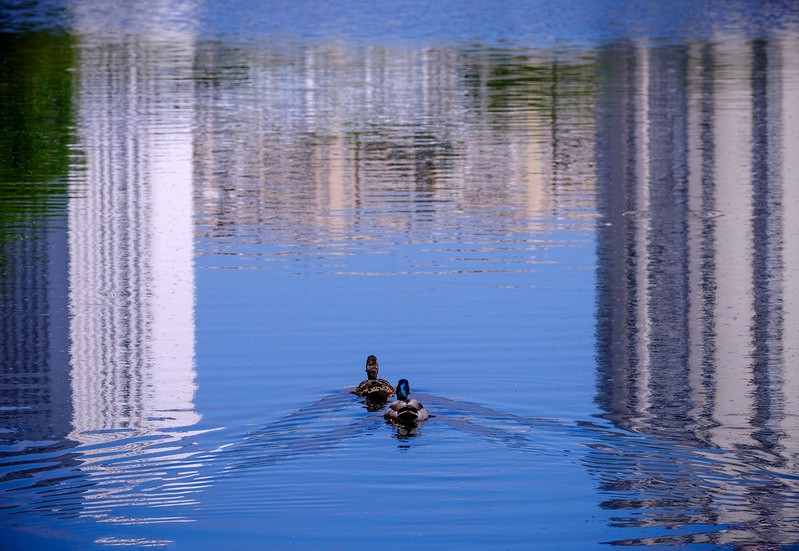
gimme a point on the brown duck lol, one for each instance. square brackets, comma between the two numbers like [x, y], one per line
[373, 389]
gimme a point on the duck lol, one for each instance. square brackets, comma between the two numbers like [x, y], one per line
[405, 410]
[373, 389]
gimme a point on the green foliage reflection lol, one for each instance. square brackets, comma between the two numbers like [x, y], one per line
[36, 117]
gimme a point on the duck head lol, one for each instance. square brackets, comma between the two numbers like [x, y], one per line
[403, 389]
[371, 367]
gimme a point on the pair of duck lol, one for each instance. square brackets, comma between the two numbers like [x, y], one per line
[405, 410]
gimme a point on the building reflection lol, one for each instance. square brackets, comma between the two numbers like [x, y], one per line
[697, 275]
[35, 114]
[35, 401]
[131, 280]
[131, 275]
[34, 358]
[97, 351]
[325, 147]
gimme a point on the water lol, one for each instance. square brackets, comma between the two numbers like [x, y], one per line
[573, 230]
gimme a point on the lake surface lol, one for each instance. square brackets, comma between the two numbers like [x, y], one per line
[573, 228]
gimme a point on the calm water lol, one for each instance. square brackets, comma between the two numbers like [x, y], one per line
[574, 229]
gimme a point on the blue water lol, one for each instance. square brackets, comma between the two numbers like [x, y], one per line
[572, 227]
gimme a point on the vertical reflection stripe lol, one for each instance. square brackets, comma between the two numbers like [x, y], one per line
[131, 242]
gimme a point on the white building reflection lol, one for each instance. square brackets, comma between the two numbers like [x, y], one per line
[131, 280]
[788, 105]
[131, 244]
[698, 273]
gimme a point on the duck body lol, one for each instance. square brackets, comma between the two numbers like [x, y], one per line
[373, 389]
[405, 410]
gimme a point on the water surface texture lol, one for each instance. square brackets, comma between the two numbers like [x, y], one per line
[573, 227]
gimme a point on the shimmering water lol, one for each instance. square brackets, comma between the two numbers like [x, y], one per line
[573, 228]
